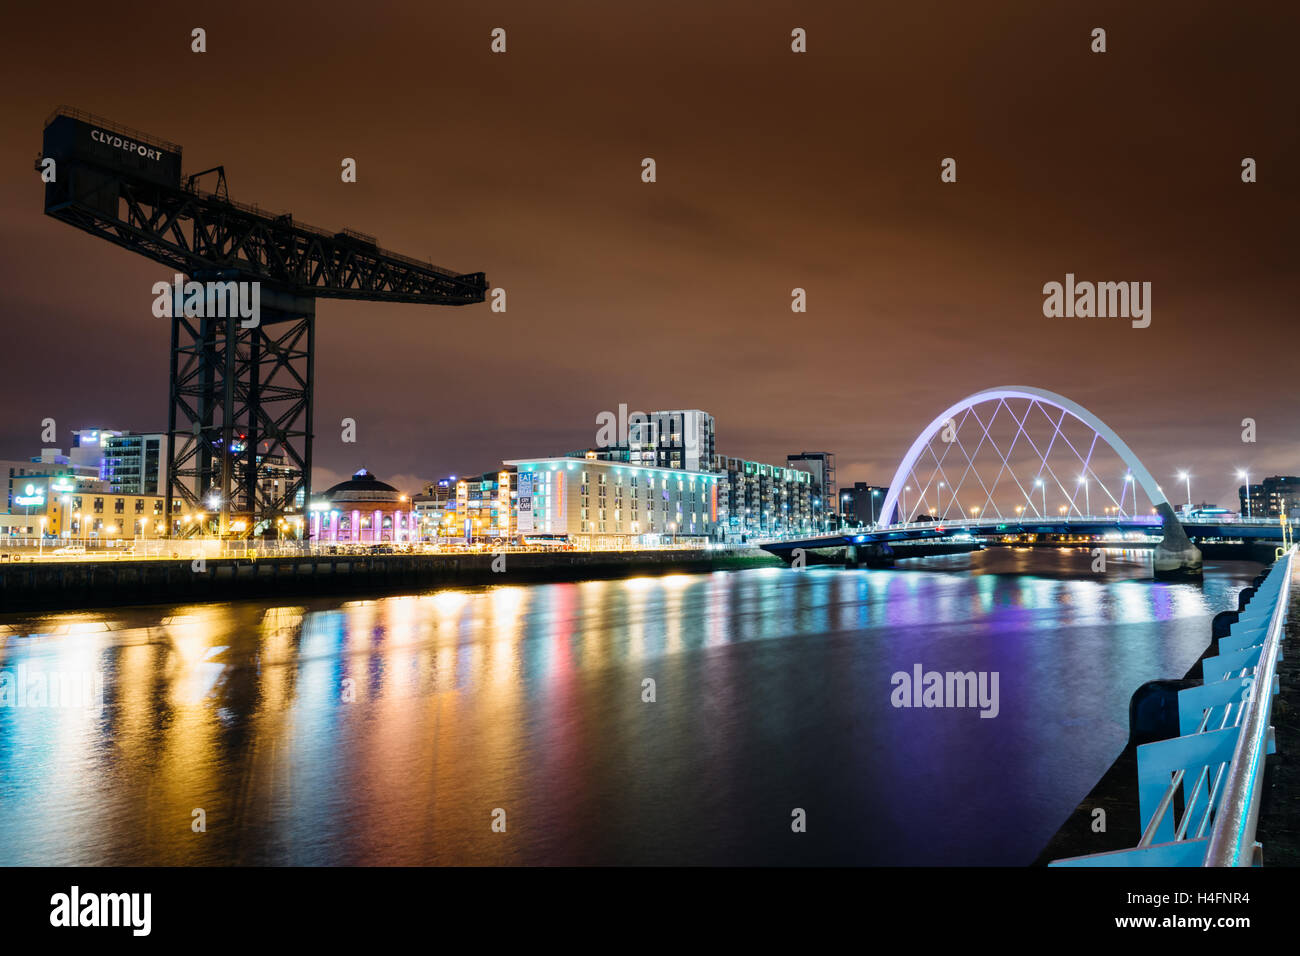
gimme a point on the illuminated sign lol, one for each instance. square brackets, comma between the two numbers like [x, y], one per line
[525, 506]
[118, 142]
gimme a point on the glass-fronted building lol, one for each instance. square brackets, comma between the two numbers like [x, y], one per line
[599, 504]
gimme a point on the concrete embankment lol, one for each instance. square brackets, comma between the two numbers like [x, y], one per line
[1116, 792]
[55, 585]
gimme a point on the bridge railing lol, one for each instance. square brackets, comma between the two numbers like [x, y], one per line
[1218, 761]
[1120, 522]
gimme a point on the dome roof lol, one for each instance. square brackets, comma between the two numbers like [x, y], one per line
[363, 486]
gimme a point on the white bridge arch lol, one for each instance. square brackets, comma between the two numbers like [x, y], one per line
[1041, 397]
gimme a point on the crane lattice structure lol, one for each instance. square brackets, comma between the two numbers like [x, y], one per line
[239, 417]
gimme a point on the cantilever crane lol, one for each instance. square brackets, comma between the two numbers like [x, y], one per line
[240, 406]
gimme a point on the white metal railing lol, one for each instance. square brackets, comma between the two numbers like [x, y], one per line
[1218, 765]
[1232, 841]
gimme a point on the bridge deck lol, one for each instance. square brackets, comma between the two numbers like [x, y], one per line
[1245, 529]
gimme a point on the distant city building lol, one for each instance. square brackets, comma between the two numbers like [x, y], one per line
[63, 503]
[603, 504]
[52, 466]
[87, 446]
[135, 463]
[275, 476]
[1271, 498]
[471, 508]
[821, 465]
[362, 509]
[682, 438]
[613, 453]
[66, 496]
[430, 506]
[132, 462]
[861, 502]
[761, 499]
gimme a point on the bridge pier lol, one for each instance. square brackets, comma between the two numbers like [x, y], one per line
[871, 555]
[1175, 557]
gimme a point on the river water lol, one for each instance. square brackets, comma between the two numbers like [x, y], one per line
[414, 730]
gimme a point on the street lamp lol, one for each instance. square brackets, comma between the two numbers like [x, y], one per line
[1184, 476]
[1246, 477]
[42, 545]
[1087, 501]
[1128, 480]
[1038, 482]
[874, 493]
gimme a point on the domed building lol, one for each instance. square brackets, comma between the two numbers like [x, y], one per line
[362, 510]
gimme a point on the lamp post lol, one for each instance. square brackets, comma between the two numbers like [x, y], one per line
[42, 544]
[1186, 476]
[1246, 476]
[1087, 501]
[1039, 483]
[874, 493]
[1128, 480]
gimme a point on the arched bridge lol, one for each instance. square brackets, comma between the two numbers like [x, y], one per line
[1021, 460]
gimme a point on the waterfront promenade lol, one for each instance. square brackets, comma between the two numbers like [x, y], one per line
[80, 582]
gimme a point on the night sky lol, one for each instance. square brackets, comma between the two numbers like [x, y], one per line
[775, 171]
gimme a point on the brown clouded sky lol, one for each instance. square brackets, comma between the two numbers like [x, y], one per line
[775, 171]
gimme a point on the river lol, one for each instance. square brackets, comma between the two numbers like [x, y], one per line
[513, 725]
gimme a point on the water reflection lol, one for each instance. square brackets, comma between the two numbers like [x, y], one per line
[387, 731]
